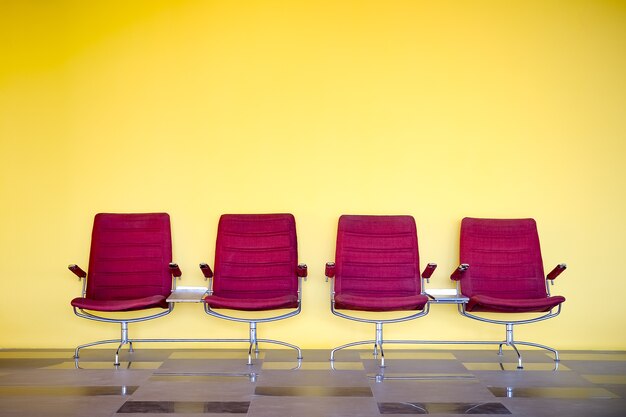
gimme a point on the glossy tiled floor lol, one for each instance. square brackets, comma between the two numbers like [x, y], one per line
[218, 382]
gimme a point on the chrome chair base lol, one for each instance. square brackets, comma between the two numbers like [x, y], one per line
[509, 341]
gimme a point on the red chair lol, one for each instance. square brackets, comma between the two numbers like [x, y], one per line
[501, 271]
[377, 269]
[130, 270]
[256, 269]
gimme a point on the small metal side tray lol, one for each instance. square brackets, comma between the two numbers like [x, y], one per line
[446, 296]
[187, 295]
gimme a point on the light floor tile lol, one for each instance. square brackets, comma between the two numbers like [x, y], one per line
[593, 356]
[606, 379]
[489, 366]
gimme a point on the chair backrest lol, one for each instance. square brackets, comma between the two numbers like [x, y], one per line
[130, 256]
[377, 256]
[504, 258]
[256, 256]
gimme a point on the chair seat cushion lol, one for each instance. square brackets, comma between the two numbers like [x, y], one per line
[154, 301]
[252, 304]
[370, 303]
[502, 305]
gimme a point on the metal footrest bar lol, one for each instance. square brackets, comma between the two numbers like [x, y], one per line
[131, 341]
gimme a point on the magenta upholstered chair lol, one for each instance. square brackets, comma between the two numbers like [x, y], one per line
[256, 269]
[130, 270]
[501, 271]
[377, 269]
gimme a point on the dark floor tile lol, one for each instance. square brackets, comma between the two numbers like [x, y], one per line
[415, 365]
[313, 407]
[424, 391]
[314, 391]
[570, 407]
[200, 389]
[522, 378]
[60, 406]
[184, 407]
[339, 378]
[201, 365]
[442, 408]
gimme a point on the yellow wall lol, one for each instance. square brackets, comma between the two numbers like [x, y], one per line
[438, 109]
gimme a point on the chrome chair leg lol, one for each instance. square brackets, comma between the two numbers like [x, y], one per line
[379, 342]
[537, 345]
[519, 356]
[117, 353]
[100, 342]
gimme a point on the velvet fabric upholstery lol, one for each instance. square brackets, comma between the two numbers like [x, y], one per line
[377, 264]
[505, 267]
[256, 262]
[128, 263]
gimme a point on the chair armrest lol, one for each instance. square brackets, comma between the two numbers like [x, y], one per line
[206, 270]
[77, 270]
[459, 272]
[329, 270]
[428, 271]
[556, 271]
[175, 270]
[302, 270]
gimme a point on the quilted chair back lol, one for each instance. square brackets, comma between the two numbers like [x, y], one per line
[504, 258]
[256, 256]
[377, 256]
[130, 256]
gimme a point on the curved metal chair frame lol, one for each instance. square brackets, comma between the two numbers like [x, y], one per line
[378, 340]
[253, 340]
[509, 339]
[124, 339]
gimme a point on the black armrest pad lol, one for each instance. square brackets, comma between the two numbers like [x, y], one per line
[330, 269]
[77, 270]
[206, 270]
[458, 273]
[428, 271]
[556, 271]
[175, 270]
